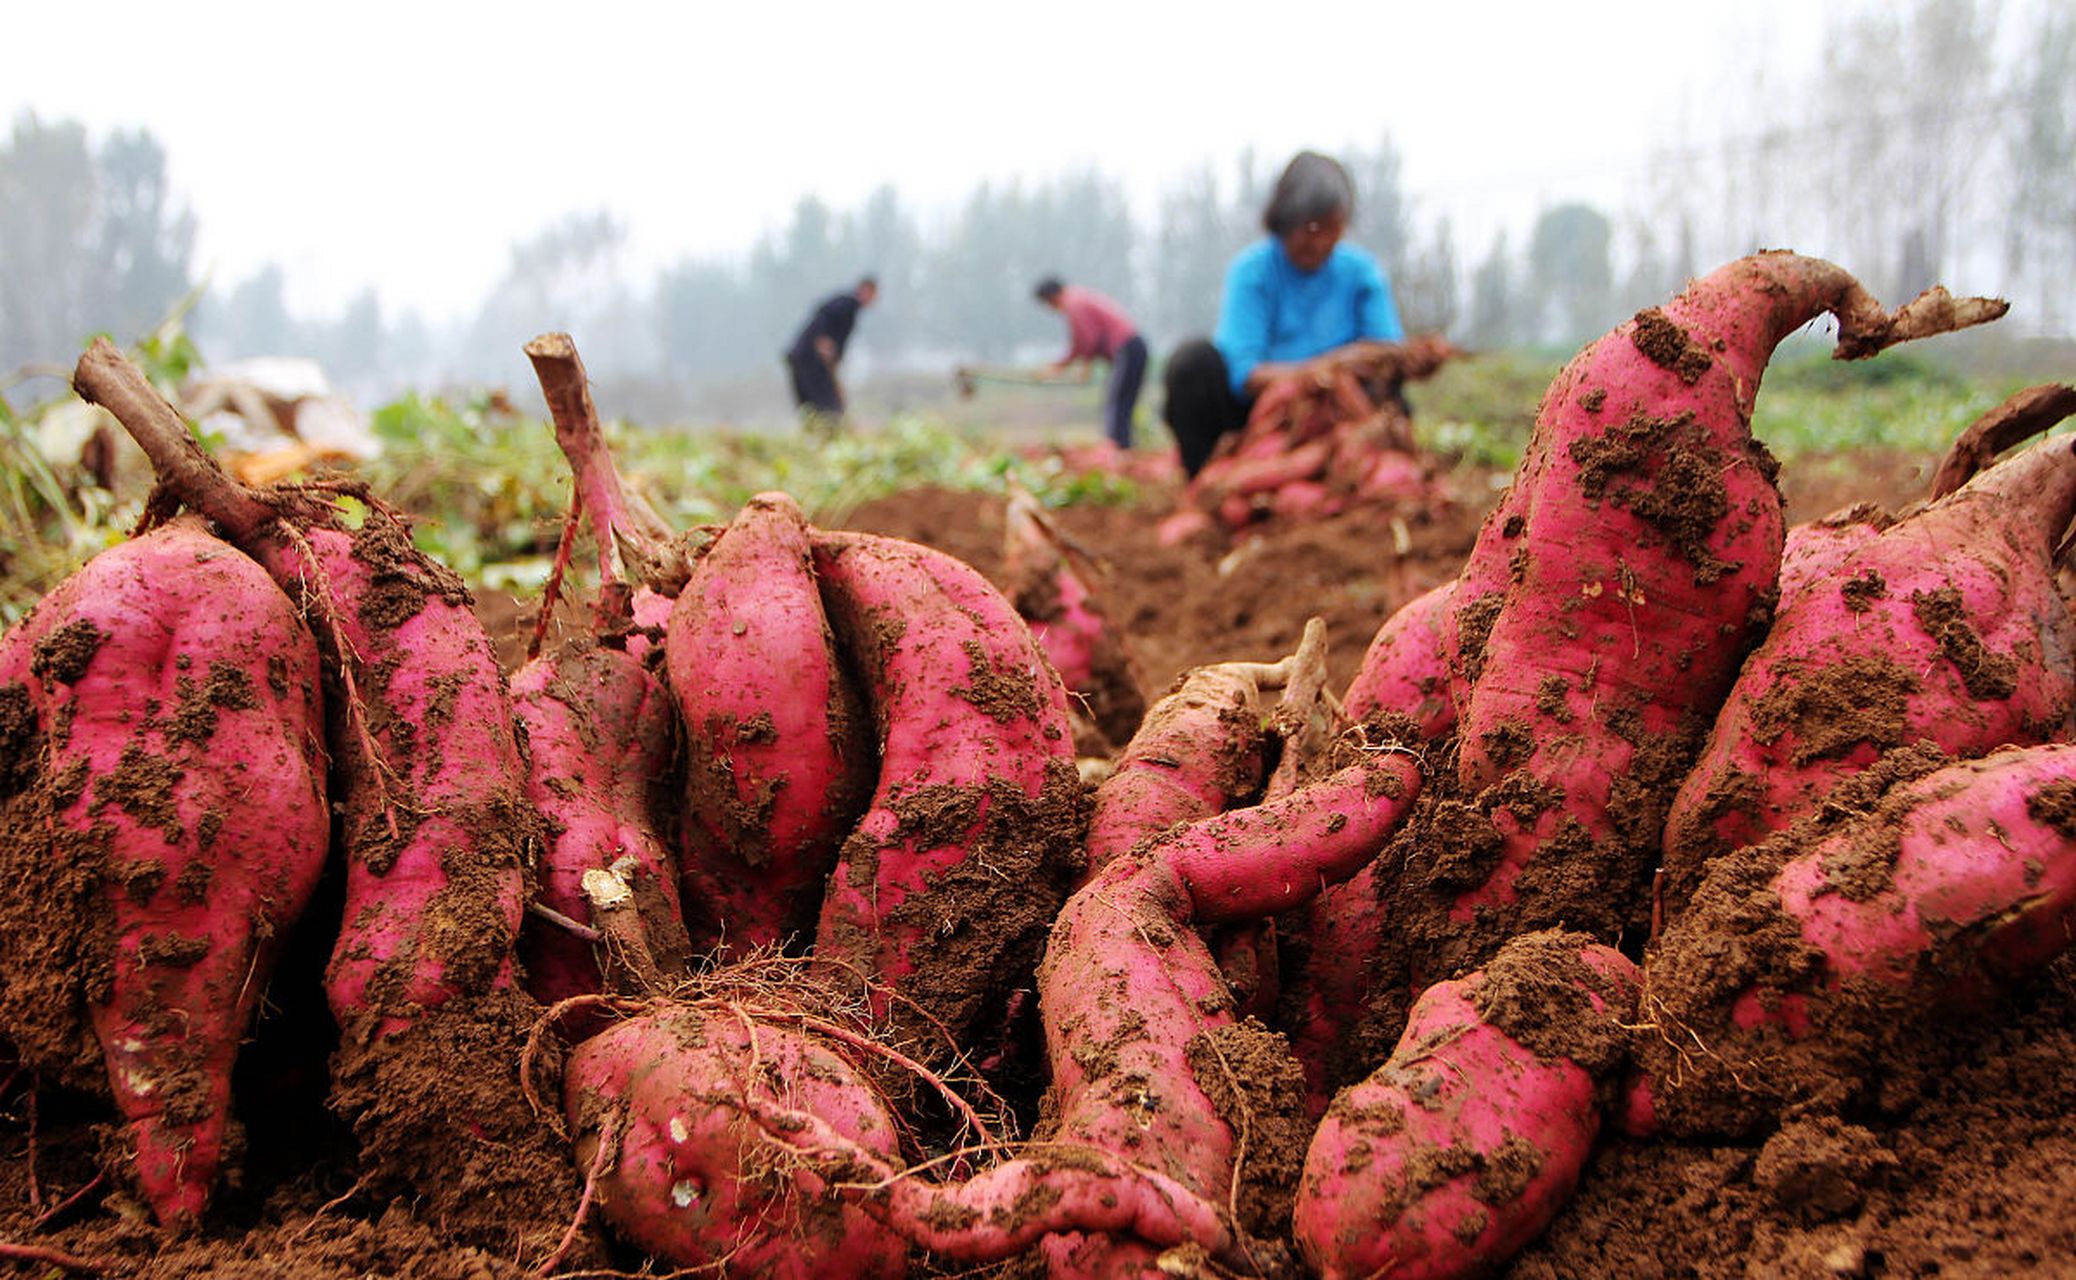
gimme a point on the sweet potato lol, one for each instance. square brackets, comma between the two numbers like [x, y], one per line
[164, 700]
[1406, 667]
[1051, 586]
[1333, 432]
[1812, 552]
[1149, 1062]
[778, 752]
[1002, 1211]
[665, 1103]
[1807, 960]
[1197, 751]
[433, 824]
[1406, 672]
[1157, 1091]
[1946, 627]
[943, 891]
[1645, 534]
[1457, 1152]
[601, 732]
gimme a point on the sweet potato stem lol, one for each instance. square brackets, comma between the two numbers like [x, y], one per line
[626, 537]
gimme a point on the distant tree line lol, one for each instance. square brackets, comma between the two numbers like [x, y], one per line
[1932, 143]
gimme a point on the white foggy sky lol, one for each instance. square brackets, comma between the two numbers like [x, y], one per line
[406, 146]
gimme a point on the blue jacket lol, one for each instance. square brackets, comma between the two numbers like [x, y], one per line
[1273, 312]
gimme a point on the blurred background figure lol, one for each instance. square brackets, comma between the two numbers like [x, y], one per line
[1098, 329]
[813, 358]
[1295, 294]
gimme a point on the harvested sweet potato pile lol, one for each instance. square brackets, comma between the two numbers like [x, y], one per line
[988, 886]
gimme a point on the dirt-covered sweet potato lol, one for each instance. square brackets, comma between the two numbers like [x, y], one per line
[1945, 627]
[163, 823]
[943, 890]
[1459, 1150]
[1149, 1060]
[778, 748]
[601, 733]
[1631, 566]
[432, 823]
[664, 1106]
[1052, 586]
[1807, 963]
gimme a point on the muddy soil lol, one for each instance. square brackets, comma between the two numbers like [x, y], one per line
[1971, 1173]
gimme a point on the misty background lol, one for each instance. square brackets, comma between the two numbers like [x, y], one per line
[1932, 141]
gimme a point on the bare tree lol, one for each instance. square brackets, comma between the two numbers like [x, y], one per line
[2040, 148]
[1492, 304]
[87, 240]
[1570, 273]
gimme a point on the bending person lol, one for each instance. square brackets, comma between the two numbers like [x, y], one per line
[1098, 329]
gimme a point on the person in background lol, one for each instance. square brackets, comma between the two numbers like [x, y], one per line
[1295, 294]
[1098, 329]
[816, 352]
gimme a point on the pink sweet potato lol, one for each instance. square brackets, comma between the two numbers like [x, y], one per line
[1405, 671]
[1051, 586]
[1645, 534]
[778, 752]
[1946, 627]
[1198, 751]
[1001, 1212]
[1406, 668]
[601, 732]
[166, 696]
[1458, 1151]
[666, 1103]
[943, 891]
[433, 824]
[1149, 1061]
[1812, 552]
[1806, 962]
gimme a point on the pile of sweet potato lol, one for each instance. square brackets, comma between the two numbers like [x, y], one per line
[1335, 434]
[769, 928]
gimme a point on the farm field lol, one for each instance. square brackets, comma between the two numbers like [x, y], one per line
[1964, 1164]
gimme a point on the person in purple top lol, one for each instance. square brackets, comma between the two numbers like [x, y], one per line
[1098, 329]
[1295, 294]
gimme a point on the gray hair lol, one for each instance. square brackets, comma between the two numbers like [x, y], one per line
[1313, 186]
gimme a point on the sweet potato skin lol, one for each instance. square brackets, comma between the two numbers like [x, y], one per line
[1406, 668]
[1197, 751]
[1458, 1151]
[437, 833]
[1005, 1209]
[778, 751]
[1139, 1023]
[174, 683]
[1803, 958]
[1946, 627]
[1054, 592]
[1407, 671]
[601, 733]
[691, 1178]
[1609, 601]
[431, 822]
[944, 888]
